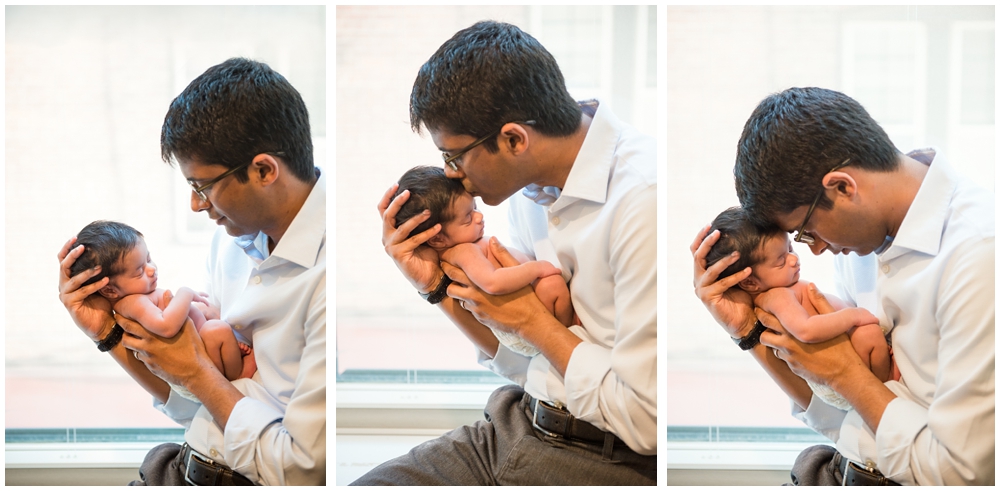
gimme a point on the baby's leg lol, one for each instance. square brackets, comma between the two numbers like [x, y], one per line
[222, 347]
[869, 342]
[554, 294]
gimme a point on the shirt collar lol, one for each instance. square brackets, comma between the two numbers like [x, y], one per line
[305, 237]
[591, 171]
[926, 218]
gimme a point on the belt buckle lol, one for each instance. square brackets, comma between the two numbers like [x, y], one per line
[534, 418]
[857, 468]
[192, 453]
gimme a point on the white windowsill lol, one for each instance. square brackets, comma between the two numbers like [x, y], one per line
[75, 455]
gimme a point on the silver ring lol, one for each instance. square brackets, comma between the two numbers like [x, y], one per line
[135, 354]
[462, 304]
[775, 350]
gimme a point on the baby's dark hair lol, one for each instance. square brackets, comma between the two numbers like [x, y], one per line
[105, 244]
[739, 233]
[429, 190]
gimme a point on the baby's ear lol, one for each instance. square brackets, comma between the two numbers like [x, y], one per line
[108, 291]
[750, 284]
[439, 240]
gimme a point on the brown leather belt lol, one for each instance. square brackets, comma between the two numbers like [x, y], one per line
[203, 471]
[856, 474]
[558, 422]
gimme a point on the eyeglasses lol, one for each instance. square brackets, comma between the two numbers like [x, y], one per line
[803, 237]
[450, 160]
[200, 190]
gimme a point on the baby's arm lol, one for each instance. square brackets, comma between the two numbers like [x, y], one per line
[493, 280]
[785, 305]
[166, 322]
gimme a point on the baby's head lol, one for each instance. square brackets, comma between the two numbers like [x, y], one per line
[767, 251]
[449, 203]
[121, 253]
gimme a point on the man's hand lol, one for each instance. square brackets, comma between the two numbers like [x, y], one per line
[818, 362]
[178, 360]
[732, 308]
[417, 262]
[92, 314]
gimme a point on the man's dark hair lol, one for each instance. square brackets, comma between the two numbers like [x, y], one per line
[105, 244]
[489, 75]
[235, 111]
[738, 233]
[429, 190]
[795, 137]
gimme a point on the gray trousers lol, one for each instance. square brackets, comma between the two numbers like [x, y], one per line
[163, 466]
[814, 467]
[505, 449]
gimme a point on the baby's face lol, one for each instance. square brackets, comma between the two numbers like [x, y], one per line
[138, 272]
[467, 224]
[780, 266]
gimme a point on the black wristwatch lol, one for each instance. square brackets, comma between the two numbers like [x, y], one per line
[751, 339]
[112, 340]
[435, 297]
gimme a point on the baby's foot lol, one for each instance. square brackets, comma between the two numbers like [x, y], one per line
[249, 361]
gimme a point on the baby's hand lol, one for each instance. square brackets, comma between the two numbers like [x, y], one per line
[200, 297]
[167, 297]
[547, 269]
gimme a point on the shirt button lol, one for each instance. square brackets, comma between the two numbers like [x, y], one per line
[256, 279]
[885, 268]
[237, 326]
[870, 464]
[555, 220]
[213, 453]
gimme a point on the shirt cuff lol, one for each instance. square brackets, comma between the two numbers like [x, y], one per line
[178, 408]
[901, 421]
[247, 421]
[507, 364]
[588, 366]
[821, 417]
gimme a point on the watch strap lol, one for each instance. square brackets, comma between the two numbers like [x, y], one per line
[435, 297]
[112, 340]
[752, 339]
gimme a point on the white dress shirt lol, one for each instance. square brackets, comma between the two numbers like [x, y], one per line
[276, 435]
[934, 287]
[600, 229]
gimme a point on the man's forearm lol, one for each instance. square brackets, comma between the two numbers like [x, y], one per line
[551, 338]
[865, 392]
[216, 393]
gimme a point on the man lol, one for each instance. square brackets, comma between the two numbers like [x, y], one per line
[815, 163]
[494, 101]
[240, 134]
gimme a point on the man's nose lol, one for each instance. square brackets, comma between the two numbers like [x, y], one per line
[818, 246]
[198, 204]
[453, 173]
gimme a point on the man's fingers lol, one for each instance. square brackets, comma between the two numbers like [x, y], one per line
[819, 300]
[383, 204]
[66, 248]
[502, 254]
[67, 260]
[455, 273]
[700, 238]
[419, 239]
[73, 284]
[389, 215]
[710, 275]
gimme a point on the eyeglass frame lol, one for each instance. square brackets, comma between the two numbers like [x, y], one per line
[801, 236]
[200, 190]
[450, 160]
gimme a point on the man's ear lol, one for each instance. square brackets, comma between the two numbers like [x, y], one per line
[841, 182]
[265, 169]
[109, 291]
[750, 284]
[514, 138]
